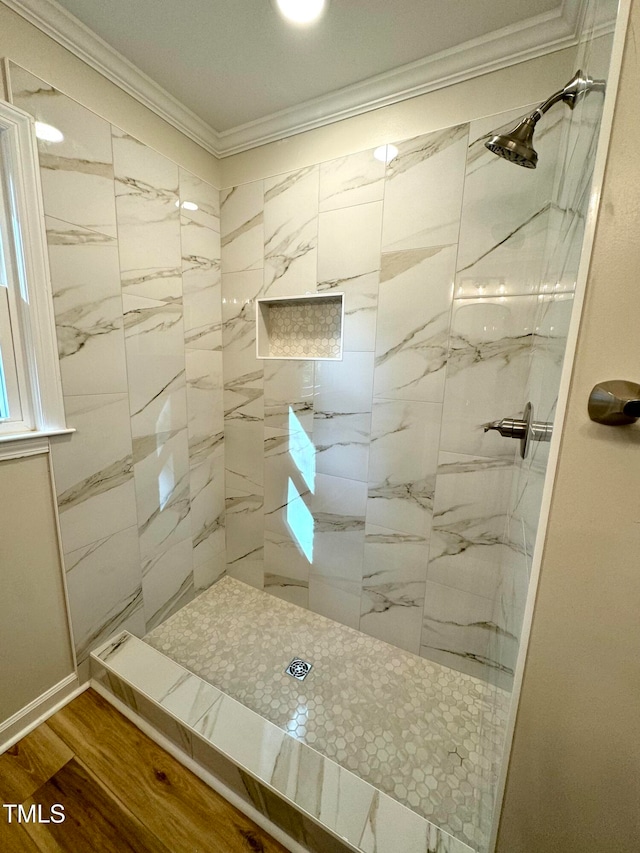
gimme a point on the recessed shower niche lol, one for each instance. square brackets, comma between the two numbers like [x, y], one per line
[300, 327]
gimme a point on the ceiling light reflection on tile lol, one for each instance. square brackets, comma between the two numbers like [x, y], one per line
[48, 133]
[301, 11]
[386, 153]
[187, 205]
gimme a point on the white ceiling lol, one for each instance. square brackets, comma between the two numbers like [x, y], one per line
[233, 74]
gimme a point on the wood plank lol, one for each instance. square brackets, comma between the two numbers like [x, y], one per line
[183, 812]
[13, 836]
[30, 763]
[94, 819]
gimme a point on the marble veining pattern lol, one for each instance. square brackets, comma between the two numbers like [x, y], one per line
[441, 318]
[342, 708]
[137, 302]
[209, 725]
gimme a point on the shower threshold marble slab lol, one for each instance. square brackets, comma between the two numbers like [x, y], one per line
[425, 734]
[204, 723]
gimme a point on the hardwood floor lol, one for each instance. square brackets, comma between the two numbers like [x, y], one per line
[120, 791]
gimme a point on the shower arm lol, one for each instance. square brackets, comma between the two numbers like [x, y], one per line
[575, 90]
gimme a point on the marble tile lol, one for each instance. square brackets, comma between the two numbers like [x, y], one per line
[403, 464]
[341, 419]
[220, 766]
[501, 254]
[161, 474]
[288, 395]
[360, 310]
[94, 470]
[104, 585]
[242, 227]
[244, 456]
[148, 213]
[193, 189]
[208, 568]
[393, 584]
[511, 268]
[284, 474]
[288, 523]
[291, 232]
[349, 242]
[162, 722]
[348, 181]
[286, 569]
[344, 387]
[470, 547]
[244, 523]
[338, 510]
[341, 444]
[154, 339]
[190, 699]
[414, 307]
[306, 832]
[249, 569]
[243, 388]
[149, 237]
[547, 355]
[423, 191]
[85, 279]
[207, 515]
[341, 710]
[563, 251]
[204, 403]
[167, 582]
[464, 631]
[77, 172]
[202, 291]
[490, 350]
[139, 664]
[239, 292]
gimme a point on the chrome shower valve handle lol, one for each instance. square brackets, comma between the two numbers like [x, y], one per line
[525, 429]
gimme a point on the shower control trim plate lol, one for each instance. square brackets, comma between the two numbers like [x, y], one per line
[524, 428]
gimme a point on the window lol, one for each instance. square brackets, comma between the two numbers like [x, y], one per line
[31, 402]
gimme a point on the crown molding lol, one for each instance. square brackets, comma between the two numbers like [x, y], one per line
[508, 46]
[63, 27]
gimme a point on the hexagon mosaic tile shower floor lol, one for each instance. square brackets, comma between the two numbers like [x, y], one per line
[425, 734]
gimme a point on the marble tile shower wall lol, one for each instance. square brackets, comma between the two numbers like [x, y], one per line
[568, 213]
[136, 282]
[365, 489]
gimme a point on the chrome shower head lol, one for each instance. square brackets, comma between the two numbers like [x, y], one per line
[516, 145]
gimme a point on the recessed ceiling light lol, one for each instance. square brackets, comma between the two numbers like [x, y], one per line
[385, 153]
[301, 11]
[48, 133]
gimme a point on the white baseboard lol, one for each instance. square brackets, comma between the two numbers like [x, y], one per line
[38, 711]
[208, 778]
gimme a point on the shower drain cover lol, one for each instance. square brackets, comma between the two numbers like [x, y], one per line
[299, 669]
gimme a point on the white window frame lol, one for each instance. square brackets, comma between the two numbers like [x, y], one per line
[29, 296]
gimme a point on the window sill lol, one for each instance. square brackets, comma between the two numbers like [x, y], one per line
[16, 445]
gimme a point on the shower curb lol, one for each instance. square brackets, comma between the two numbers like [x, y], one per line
[315, 801]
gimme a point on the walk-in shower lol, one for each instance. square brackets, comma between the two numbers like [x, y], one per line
[374, 532]
[319, 564]
[516, 145]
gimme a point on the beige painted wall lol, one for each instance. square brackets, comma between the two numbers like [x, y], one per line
[574, 774]
[35, 650]
[25, 44]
